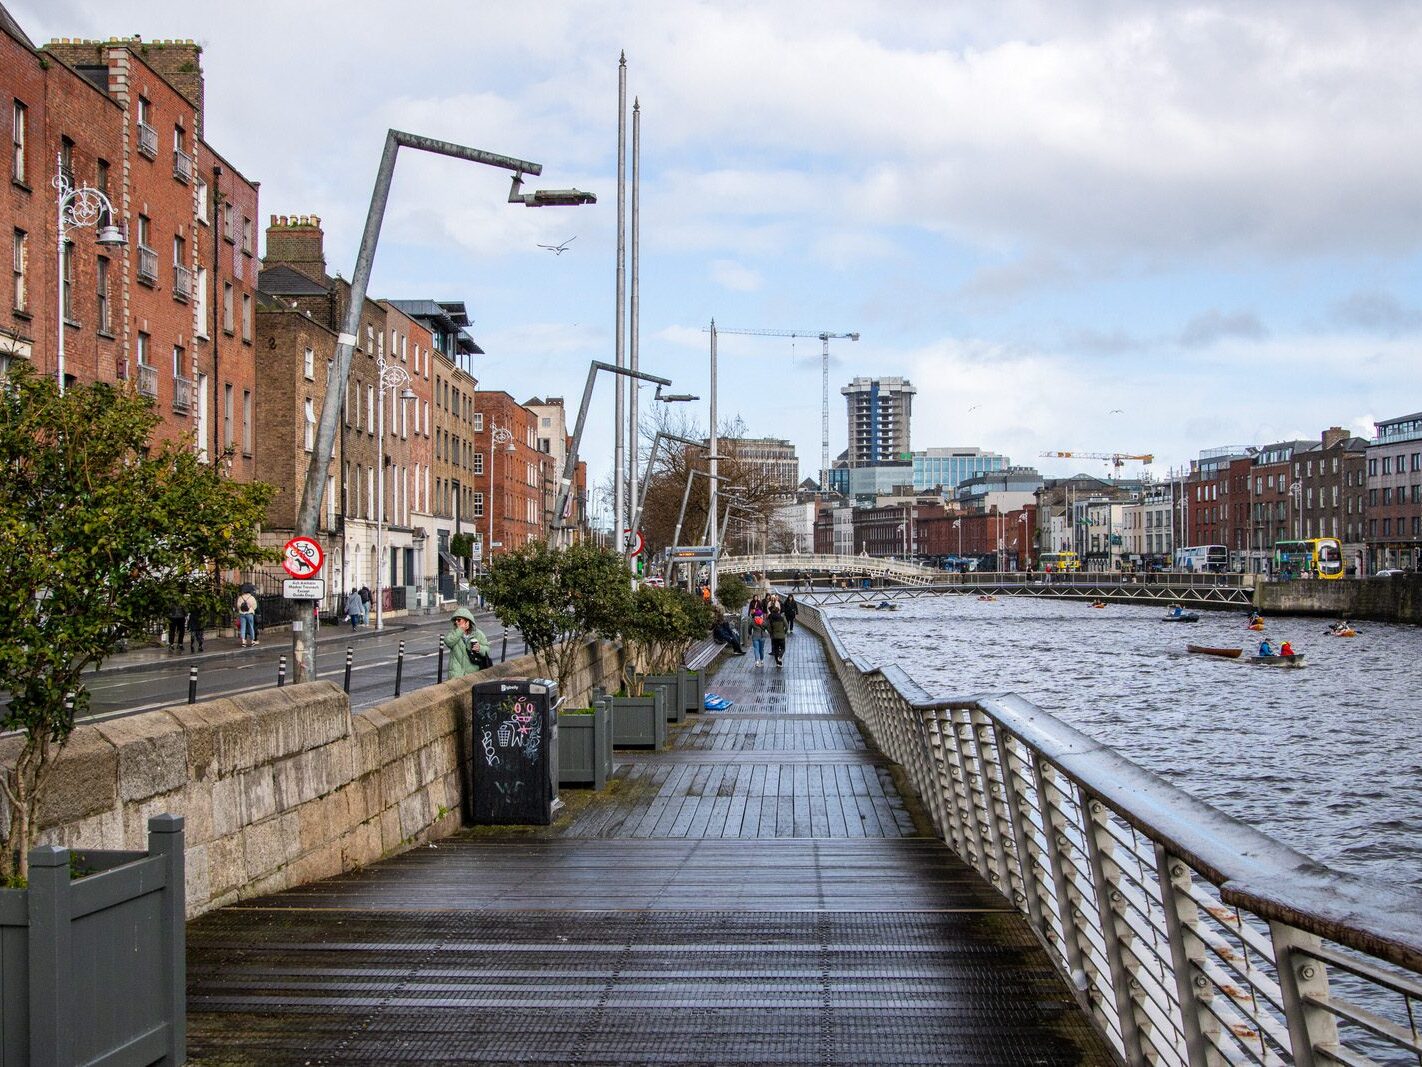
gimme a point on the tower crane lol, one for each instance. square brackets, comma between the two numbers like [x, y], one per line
[825, 338]
[1116, 459]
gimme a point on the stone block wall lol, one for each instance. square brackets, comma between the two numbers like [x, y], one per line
[282, 786]
[1397, 598]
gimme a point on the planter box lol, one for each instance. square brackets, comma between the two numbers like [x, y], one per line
[585, 747]
[693, 690]
[670, 685]
[639, 722]
[94, 969]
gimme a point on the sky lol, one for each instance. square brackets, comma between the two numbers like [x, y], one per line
[1076, 226]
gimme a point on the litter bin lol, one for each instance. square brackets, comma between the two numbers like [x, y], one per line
[514, 778]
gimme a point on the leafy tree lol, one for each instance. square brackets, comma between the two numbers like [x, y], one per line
[732, 592]
[558, 599]
[102, 530]
[658, 630]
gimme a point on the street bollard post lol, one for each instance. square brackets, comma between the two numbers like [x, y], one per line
[504, 652]
[350, 657]
[399, 666]
[439, 663]
[281, 672]
[192, 684]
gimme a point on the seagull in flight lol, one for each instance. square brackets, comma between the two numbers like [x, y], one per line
[975, 407]
[558, 250]
[1115, 411]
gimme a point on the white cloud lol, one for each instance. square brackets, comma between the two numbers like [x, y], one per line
[736, 276]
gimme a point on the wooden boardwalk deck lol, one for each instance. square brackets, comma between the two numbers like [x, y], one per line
[759, 893]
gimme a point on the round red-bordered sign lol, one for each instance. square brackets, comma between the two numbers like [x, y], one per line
[302, 557]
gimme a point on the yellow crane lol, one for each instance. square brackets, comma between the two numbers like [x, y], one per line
[1116, 459]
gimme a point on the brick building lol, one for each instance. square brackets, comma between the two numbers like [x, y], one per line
[1394, 488]
[1332, 478]
[512, 472]
[555, 441]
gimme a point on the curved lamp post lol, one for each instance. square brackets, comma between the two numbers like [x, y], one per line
[84, 206]
[390, 376]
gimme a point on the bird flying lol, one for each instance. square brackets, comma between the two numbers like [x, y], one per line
[558, 250]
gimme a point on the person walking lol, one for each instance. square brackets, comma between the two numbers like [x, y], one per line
[758, 633]
[177, 616]
[195, 626]
[247, 618]
[791, 608]
[777, 626]
[466, 643]
[355, 608]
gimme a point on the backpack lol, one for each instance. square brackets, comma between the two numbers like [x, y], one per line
[758, 619]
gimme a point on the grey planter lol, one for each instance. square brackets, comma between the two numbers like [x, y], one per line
[639, 722]
[585, 747]
[670, 685]
[94, 970]
[693, 690]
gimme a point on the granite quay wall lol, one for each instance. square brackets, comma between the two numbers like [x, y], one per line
[279, 787]
[1397, 598]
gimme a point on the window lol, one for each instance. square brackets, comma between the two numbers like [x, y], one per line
[478, 420]
[202, 216]
[143, 340]
[228, 232]
[478, 505]
[227, 417]
[1387, 464]
[1373, 467]
[370, 409]
[67, 301]
[21, 290]
[102, 286]
[227, 306]
[246, 235]
[1387, 494]
[246, 422]
[19, 128]
[147, 135]
[308, 364]
[200, 301]
[247, 317]
[179, 363]
[478, 463]
[310, 438]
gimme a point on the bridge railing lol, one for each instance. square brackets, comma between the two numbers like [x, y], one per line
[1188, 936]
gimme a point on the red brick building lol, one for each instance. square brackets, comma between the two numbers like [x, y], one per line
[511, 473]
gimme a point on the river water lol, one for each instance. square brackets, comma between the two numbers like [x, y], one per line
[1327, 759]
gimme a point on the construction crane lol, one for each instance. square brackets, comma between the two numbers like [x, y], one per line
[1116, 459]
[825, 338]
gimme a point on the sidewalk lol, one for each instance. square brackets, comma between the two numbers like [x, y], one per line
[217, 648]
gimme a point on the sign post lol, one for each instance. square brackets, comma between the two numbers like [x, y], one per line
[302, 558]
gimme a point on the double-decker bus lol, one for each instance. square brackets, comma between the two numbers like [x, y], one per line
[1202, 559]
[1317, 557]
[1056, 562]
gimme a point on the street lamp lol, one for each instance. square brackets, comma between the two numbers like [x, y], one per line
[498, 435]
[640, 501]
[84, 206]
[390, 376]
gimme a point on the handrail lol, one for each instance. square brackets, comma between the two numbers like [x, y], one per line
[1190, 936]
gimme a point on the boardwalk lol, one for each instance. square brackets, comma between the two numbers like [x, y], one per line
[759, 893]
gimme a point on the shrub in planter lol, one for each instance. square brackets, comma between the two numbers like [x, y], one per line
[639, 721]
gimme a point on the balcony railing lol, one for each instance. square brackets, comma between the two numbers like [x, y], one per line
[147, 265]
[182, 166]
[147, 380]
[182, 282]
[182, 394]
[148, 140]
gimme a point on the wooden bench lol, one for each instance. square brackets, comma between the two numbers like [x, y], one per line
[702, 654]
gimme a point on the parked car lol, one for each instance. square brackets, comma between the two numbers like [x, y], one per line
[1389, 572]
[656, 580]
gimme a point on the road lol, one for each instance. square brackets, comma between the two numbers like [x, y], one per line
[132, 689]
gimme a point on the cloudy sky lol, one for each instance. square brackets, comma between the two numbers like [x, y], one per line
[1137, 227]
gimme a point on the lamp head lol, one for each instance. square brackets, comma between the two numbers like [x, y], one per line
[111, 236]
[408, 394]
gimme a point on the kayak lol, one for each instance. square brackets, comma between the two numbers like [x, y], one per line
[1184, 616]
[1342, 633]
[1227, 653]
[987, 597]
[1256, 626]
[1098, 605]
[883, 605]
[1296, 660]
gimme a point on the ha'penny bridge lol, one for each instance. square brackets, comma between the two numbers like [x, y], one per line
[838, 868]
[842, 579]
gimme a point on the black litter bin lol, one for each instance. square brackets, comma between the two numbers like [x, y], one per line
[514, 777]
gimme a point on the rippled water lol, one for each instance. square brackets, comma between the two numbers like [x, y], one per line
[1327, 759]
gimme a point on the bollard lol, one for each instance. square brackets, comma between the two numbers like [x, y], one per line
[350, 655]
[439, 664]
[192, 684]
[399, 666]
[281, 672]
[504, 652]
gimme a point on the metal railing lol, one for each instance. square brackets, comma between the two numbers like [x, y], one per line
[182, 394]
[182, 282]
[182, 166]
[147, 265]
[1188, 936]
[147, 380]
[148, 140]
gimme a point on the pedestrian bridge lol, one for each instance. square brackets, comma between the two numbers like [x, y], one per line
[832, 579]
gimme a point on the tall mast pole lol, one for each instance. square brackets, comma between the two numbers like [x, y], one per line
[712, 540]
[634, 443]
[619, 454]
[824, 413]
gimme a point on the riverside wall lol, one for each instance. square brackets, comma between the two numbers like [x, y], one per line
[282, 786]
[1397, 598]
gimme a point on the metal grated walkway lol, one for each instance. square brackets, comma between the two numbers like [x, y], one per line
[758, 894]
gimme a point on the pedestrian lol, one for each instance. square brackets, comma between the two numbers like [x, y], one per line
[355, 608]
[777, 627]
[365, 600]
[791, 607]
[177, 615]
[726, 634]
[195, 626]
[247, 618]
[758, 633]
[468, 647]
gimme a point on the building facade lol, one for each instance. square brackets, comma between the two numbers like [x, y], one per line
[879, 411]
[945, 468]
[1394, 494]
[513, 474]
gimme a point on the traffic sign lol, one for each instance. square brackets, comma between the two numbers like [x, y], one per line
[633, 542]
[304, 588]
[694, 552]
[302, 557]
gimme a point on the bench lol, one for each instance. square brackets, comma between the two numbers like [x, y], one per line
[702, 654]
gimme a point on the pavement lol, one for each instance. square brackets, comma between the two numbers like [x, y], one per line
[218, 646]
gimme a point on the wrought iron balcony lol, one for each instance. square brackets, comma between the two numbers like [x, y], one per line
[147, 381]
[147, 265]
[148, 140]
[182, 166]
[182, 394]
[182, 282]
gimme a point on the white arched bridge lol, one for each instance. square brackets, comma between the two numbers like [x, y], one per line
[830, 579]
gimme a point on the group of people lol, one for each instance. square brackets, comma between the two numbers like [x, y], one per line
[185, 619]
[358, 606]
[1267, 649]
[771, 618]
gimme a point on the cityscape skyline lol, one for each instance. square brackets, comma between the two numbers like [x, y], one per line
[1204, 243]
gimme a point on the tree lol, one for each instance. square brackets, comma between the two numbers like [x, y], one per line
[102, 530]
[659, 629]
[558, 598]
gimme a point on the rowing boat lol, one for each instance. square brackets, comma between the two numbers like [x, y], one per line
[1296, 660]
[1227, 653]
[1184, 616]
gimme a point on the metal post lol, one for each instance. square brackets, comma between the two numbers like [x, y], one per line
[281, 672]
[633, 429]
[504, 651]
[439, 666]
[192, 684]
[619, 455]
[399, 666]
[715, 433]
[379, 502]
[59, 286]
[350, 658]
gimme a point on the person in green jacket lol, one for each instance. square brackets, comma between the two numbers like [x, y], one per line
[463, 640]
[778, 628]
